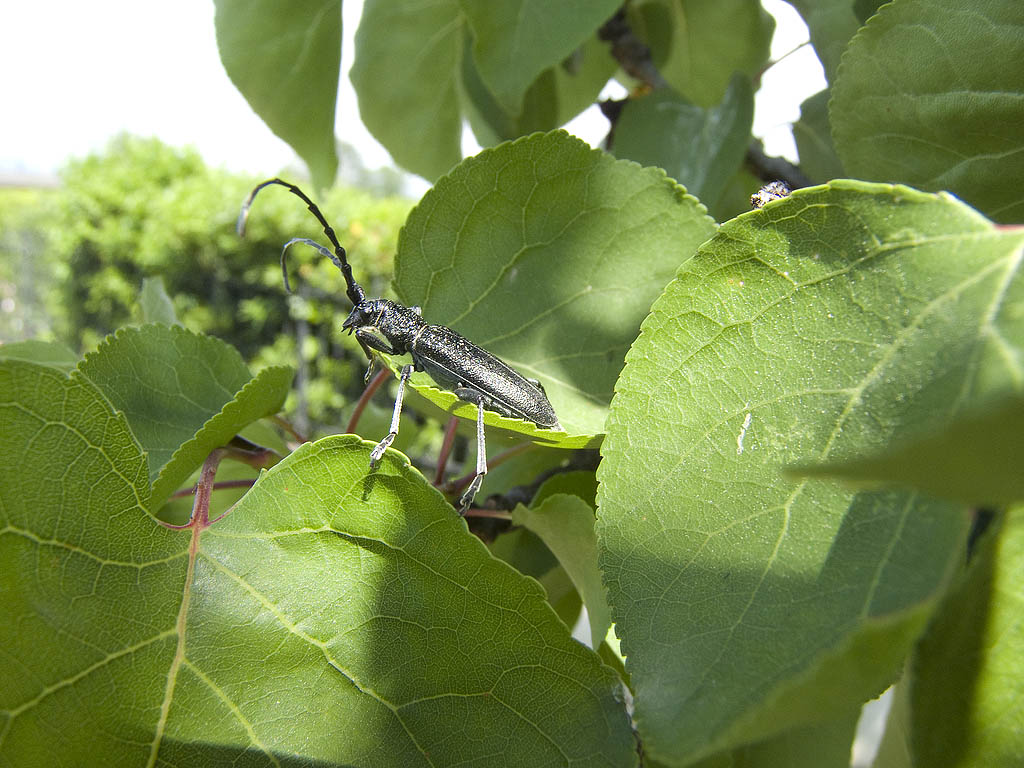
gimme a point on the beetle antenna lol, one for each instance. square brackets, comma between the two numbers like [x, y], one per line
[355, 291]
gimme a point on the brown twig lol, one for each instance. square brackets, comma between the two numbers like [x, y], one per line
[498, 514]
[446, 449]
[200, 516]
[456, 486]
[287, 427]
[247, 452]
[222, 485]
[364, 399]
[768, 168]
[632, 53]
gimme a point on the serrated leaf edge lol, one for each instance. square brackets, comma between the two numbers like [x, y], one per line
[451, 178]
[211, 425]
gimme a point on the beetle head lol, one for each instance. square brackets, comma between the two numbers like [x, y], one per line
[362, 315]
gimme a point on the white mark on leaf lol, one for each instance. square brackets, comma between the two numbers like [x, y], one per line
[743, 433]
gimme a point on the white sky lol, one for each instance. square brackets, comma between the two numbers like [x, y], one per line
[76, 73]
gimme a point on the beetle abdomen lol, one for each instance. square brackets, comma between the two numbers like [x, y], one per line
[453, 360]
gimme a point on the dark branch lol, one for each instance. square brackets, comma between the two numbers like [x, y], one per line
[768, 168]
[630, 51]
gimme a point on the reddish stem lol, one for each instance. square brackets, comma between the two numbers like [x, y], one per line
[256, 456]
[495, 513]
[457, 485]
[216, 487]
[364, 399]
[287, 427]
[200, 517]
[446, 449]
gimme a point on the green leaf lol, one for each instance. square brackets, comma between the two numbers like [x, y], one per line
[565, 523]
[178, 509]
[975, 459]
[89, 583]
[700, 148]
[514, 41]
[580, 78]
[555, 97]
[521, 469]
[699, 44]
[831, 24]
[524, 551]
[894, 749]
[562, 596]
[814, 329]
[155, 304]
[954, 124]
[405, 75]
[407, 592]
[814, 139]
[965, 683]
[490, 122]
[548, 254]
[183, 395]
[43, 352]
[440, 404]
[735, 197]
[823, 745]
[265, 636]
[285, 58]
[577, 483]
[865, 9]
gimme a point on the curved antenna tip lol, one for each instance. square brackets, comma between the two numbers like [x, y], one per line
[243, 217]
[305, 241]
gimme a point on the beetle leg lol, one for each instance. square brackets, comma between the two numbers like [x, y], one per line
[369, 370]
[368, 340]
[378, 452]
[472, 396]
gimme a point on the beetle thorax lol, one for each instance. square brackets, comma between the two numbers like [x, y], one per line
[398, 323]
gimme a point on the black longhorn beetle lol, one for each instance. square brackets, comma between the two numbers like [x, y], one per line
[473, 374]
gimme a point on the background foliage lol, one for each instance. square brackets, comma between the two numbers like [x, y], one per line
[742, 604]
[143, 209]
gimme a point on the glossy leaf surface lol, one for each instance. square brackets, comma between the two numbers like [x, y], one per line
[819, 326]
[548, 254]
[952, 125]
[285, 58]
[700, 148]
[515, 40]
[328, 596]
[183, 394]
[965, 682]
[406, 76]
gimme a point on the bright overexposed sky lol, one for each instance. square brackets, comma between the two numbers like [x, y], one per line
[77, 73]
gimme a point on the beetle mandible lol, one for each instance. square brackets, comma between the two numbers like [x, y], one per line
[472, 373]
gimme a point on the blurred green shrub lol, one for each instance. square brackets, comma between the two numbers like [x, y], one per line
[29, 268]
[142, 209]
